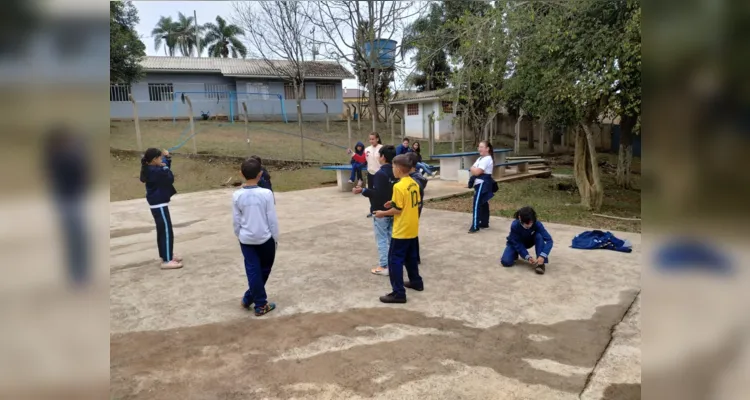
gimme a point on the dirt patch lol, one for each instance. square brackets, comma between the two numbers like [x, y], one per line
[623, 391]
[249, 357]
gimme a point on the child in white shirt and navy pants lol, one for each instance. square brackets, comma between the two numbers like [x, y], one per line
[484, 187]
[257, 229]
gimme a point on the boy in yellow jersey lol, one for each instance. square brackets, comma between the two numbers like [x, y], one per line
[404, 246]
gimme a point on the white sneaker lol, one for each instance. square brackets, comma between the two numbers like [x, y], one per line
[171, 265]
[380, 271]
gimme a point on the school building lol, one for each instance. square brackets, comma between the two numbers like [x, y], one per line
[219, 87]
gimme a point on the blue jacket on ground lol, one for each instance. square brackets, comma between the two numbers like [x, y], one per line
[590, 240]
[159, 183]
[520, 238]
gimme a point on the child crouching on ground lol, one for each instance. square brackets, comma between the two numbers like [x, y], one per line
[525, 232]
[403, 250]
[257, 230]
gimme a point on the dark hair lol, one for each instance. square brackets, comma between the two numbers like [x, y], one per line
[418, 150]
[389, 152]
[492, 151]
[257, 158]
[402, 161]
[406, 139]
[251, 168]
[377, 135]
[413, 159]
[262, 168]
[148, 156]
[525, 214]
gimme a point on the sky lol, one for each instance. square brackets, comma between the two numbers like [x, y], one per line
[149, 13]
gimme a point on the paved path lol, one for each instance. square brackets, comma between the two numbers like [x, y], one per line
[478, 331]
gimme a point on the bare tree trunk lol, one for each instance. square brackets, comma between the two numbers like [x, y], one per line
[625, 154]
[550, 139]
[586, 169]
[542, 134]
[373, 98]
[299, 123]
[531, 134]
[517, 139]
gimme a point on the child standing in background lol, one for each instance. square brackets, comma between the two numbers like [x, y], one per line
[484, 186]
[159, 180]
[265, 177]
[358, 160]
[525, 232]
[372, 154]
[422, 182]
[403, 250]
[257, 229]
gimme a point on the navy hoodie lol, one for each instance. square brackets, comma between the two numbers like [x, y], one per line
[422, 182]
[159, 183]
[382, 188]
[265, 180]
[520, 238]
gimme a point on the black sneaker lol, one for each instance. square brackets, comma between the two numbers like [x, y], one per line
[245, 305]
[408, 285]
[484, 227]
[391, 298]
[472, 230]
[540, 269]
[260, 311]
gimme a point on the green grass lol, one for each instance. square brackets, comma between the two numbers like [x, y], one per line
[560, 206]
[271, 140]
[193, 175]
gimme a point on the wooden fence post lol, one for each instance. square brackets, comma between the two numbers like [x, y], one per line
[328, 122]
[349, 126]
[192, 123]
[247, 132]
[393, 127]
[137, 123]
[432, 134]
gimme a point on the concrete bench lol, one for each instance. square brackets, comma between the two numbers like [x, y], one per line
[343, 172]
[452, 164]
[498, 171]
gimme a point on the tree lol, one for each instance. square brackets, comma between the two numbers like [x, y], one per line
[222, 39]
[125, 48]
[341, 22]
[186, 35]
[481, 59]
[165, 33]
[277, 29]
[432, 38]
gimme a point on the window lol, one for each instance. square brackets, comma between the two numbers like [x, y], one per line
[257, 91]
[119, 92]
[289, 93]
[447, 107]
[216, 91]
[325, 91]
[412, 109]
[160, 92]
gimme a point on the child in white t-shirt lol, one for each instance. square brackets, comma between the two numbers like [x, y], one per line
[484, 186]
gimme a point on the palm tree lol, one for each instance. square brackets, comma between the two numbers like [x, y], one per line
[222, 38]
[165, 32]
[185, 27]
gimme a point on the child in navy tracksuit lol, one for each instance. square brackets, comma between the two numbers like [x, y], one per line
[525, 232]
[265, 177]
[358, 160]
[158, 177]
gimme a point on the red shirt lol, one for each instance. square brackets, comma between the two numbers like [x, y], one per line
[360, 158]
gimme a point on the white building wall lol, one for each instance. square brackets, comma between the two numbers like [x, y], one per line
[444, 126]
[413, 123]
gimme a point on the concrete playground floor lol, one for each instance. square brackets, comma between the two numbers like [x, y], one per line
[478, 331]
